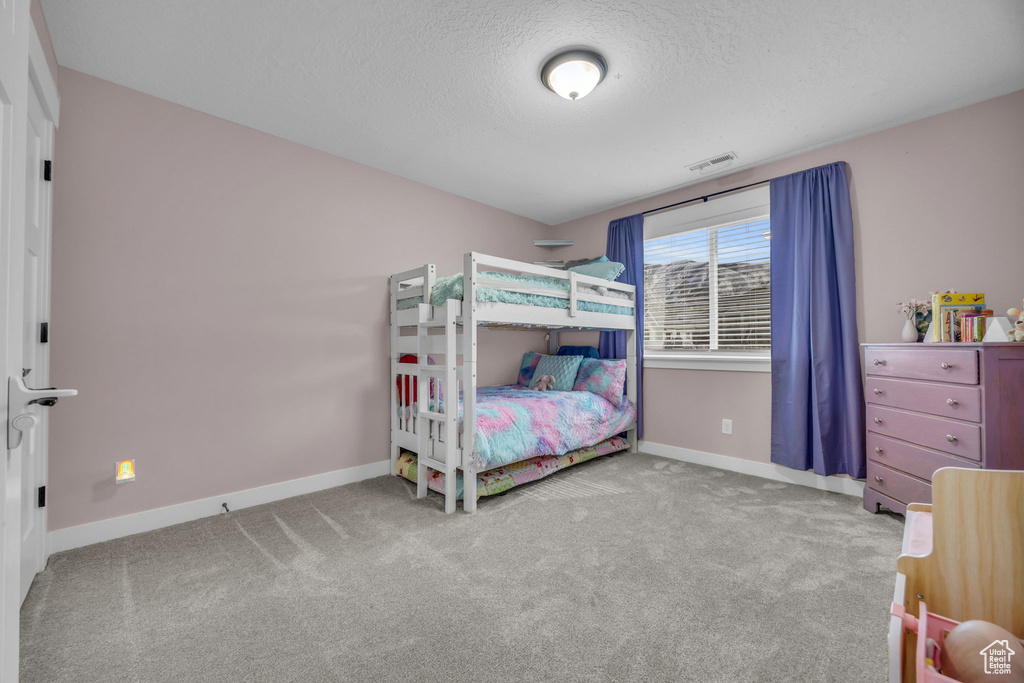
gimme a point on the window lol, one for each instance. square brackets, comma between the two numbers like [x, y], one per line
[707, 295]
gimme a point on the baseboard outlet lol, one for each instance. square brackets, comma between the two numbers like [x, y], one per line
[765, 470]
[126, 525]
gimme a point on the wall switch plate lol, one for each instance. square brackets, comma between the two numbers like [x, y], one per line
[726, 426]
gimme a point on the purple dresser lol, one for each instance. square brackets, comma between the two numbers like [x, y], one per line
[939, 405]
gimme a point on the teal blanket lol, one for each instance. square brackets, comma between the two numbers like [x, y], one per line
[450, 287]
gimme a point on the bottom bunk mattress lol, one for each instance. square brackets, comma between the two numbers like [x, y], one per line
[514, 423]
[503, 478]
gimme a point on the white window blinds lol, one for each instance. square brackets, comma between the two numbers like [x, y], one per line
[709, 289]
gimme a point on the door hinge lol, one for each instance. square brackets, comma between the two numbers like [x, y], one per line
[44, 333]
[47, 170]
[42, 496]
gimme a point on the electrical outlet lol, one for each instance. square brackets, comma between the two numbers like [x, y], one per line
[726, 426]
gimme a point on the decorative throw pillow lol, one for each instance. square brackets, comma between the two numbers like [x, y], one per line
[584, 261]
[527, 369]
[606, 270]
[562, 368]
[585, 351]
[606, 378]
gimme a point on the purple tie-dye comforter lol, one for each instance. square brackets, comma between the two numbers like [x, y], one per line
[514, 423]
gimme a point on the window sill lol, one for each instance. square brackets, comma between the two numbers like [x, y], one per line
[735, 363]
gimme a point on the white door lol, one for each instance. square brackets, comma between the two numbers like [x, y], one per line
[15, 27]
[36, 364]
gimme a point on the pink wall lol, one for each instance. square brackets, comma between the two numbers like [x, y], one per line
[924, 195]
[220, 301]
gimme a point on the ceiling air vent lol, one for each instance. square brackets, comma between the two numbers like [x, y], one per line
[714, 164]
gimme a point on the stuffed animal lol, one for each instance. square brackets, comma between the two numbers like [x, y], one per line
[1017, 333]
[544, 383]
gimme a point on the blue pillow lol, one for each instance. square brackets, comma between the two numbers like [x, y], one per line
[562, 368]
[606, 270]
[585, 351]
[529, 365]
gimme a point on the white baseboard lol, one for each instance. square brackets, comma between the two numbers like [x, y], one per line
[765, 470]
[116, 527]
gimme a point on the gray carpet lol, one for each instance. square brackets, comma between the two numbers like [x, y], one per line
[634, 568]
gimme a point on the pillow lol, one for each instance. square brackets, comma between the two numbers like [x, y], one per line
[526, 370]
[584, 261]
[606, 378]
[606, 270]
[562, 368]
[585, 351]
[410, 380]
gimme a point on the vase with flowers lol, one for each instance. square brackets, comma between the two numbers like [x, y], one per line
[915, 310]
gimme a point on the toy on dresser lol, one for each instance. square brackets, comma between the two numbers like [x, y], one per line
[1017, 333]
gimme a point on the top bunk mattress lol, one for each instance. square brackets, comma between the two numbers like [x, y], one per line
[451, 287]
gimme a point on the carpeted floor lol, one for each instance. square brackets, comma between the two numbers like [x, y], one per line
[634, 568]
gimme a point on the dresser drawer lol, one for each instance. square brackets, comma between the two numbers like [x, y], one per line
[950, 436]
[906, 457]
[941, 364]
[945, 400]
[897, 485]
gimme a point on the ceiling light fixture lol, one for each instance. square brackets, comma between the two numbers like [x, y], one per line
[574, 74]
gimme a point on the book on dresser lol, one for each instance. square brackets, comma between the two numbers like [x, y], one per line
[947, 309]
[972, 325]
[939, 405]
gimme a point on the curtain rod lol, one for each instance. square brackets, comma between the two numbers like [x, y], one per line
[705, 197]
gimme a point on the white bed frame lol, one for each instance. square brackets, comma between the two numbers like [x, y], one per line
[428, 432]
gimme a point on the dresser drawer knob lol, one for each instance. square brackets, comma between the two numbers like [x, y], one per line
[950, 438]
[951, 401]
[878, 479]
[946, 366]
[878, 420]
[879, 362]
[877, 392]
[877, 449]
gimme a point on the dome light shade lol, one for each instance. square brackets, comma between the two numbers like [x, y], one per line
[574, 74]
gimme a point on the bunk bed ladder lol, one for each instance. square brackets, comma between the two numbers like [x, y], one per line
[416, 282]
[440, 406]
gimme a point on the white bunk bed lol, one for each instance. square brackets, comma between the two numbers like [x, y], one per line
[427, 431]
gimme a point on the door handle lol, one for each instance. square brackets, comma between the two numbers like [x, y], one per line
[48, 401]
[19, 398]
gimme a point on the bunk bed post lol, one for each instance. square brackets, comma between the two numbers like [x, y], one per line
[573, 292]
[423, 451]
[429, 277]
[469, 356]
[553, 342]
[451, 407]
[396, 393]
[632, 372]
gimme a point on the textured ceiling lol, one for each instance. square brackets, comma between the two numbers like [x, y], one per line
[447, 92]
